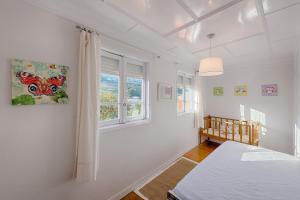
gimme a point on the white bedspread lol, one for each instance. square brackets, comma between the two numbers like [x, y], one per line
[236, 171]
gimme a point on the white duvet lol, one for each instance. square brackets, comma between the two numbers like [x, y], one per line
[236, 171]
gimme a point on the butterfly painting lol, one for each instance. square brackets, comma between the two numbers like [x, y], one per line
[38, 83]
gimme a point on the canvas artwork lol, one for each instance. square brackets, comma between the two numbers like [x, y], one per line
[269, 90]
[241, 90]
[38, 83]
[165, 91]
[218, 91]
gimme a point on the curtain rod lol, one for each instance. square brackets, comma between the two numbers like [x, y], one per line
[82, 28]
[89, 30]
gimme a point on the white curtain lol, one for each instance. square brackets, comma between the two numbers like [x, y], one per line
[86, 162]
[199, 103]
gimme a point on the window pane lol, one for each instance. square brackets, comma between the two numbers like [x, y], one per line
[188, 82]
[134, 109]
[110, 65]
[180, 99]
[134, 96]
[188, 100]
[180, 81]
[134, 88]
[135, 70]
[109, 96]
[108, 111]
[188, 95]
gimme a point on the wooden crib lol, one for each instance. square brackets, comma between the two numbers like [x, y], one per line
[222, 129]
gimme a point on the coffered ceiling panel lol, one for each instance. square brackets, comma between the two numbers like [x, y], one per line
[175, 51]
[161, 15]
[152, 38]
[284, 48]
[202, 7]
[219, 52]
[245, 31]
[108, 14]
[249, 60]
[235, 23]
[91, 13]
[285, 23]
[253, 45]
[275, 5]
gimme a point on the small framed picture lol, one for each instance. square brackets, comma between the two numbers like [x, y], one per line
[164, 91]
[218, 91]
[269, 90]
[241, 90]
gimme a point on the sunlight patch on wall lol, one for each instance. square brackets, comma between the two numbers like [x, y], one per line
[242, 112]
[260, 117]
[297, 141]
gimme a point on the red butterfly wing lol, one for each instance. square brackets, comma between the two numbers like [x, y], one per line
[54, 83]
[39, 86]
[27, 78]
[34, 82]
[57, 80]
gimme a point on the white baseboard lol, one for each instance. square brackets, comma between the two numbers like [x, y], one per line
[142, 181]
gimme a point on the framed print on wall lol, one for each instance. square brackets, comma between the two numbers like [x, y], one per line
[164, 91]
[241, 90]
[269, 90]
[218, 91]
[38, 83]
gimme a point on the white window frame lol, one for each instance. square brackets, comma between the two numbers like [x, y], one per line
[185, 76]
[143, 116]
[124, 120]
[118, 120]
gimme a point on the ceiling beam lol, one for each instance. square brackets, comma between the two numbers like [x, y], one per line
[228, 50]
[261, 14]
[136, 20]
[187, 9]
[132, 27]
[226, 43]
[281, 9]
[203, 17]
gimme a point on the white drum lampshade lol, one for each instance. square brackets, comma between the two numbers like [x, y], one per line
[211, 66]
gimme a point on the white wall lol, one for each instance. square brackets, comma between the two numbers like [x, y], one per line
[278, 110]
[296, 120]
[37, 142]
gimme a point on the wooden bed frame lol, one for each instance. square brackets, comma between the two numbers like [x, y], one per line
[213, 129]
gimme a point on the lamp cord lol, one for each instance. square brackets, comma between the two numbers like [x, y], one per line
[210, 47]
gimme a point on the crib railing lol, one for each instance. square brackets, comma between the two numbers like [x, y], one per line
[221, 128]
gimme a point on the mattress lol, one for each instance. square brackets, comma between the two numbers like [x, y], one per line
[236, 171]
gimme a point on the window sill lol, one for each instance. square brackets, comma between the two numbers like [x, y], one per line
[116, 127]
[184, 113]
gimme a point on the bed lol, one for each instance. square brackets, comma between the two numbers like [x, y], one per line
[236, 171]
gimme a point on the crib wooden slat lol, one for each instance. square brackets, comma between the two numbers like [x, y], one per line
[241, 132]
[226, 129]
[219, 128]
[254, 134]
[233, 129]
[249, 127]
[213, 126]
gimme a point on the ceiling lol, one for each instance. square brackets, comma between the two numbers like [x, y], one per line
[247, 31]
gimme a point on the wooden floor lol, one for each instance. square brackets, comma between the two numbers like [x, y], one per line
[196, 154]
[132, 196]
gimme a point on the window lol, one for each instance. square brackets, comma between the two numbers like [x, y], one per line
[184, 92]
[123, 90]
